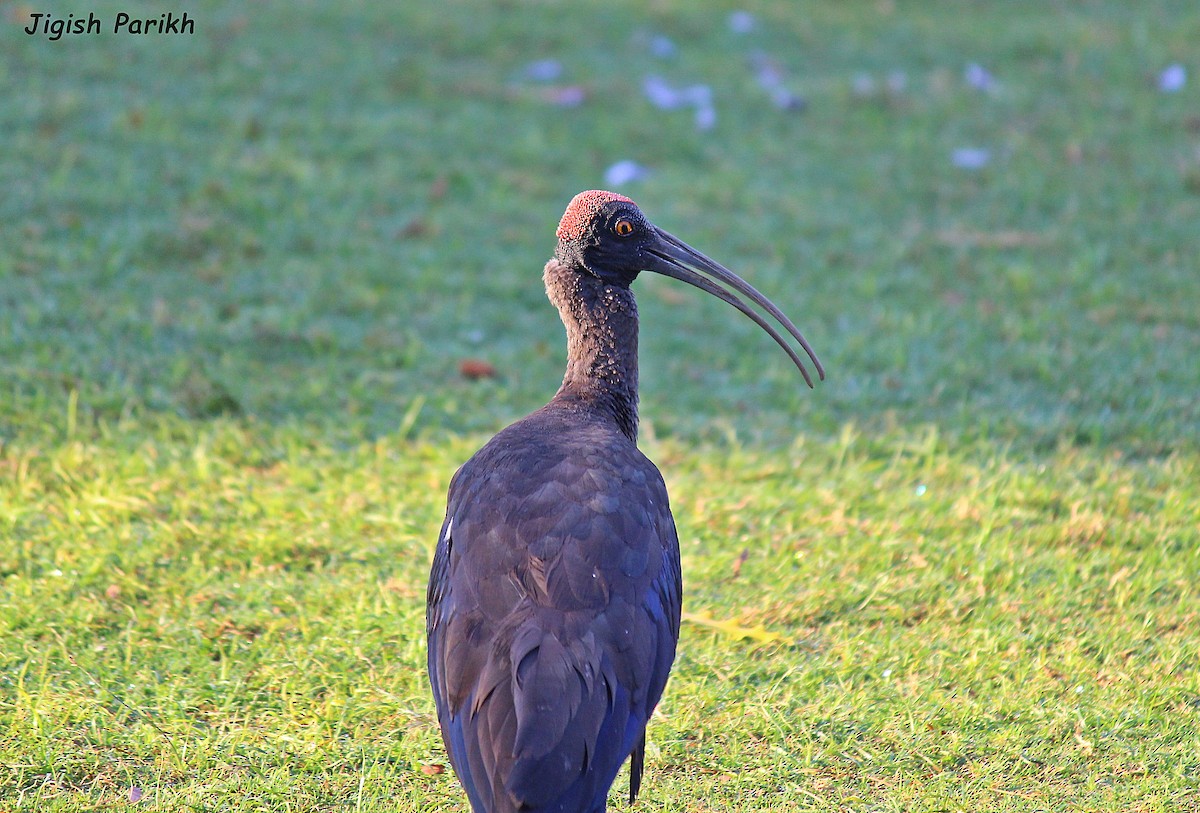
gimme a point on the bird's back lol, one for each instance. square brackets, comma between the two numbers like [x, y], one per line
[553, 612]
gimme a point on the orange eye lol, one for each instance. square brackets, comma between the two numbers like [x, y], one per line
[623, 228]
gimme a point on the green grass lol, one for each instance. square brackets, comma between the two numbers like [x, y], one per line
[238, 272]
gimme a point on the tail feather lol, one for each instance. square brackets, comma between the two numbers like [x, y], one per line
[636, 759]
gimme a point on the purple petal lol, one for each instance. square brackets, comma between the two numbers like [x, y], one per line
[661, 94]
[135, 795]
[863, 84]
[624, 172]
[741, 22]
[767, 71]
[784, 99]
[978, 77]
[543, 70]
[1172, 79]
[662, 47]
[971, 157]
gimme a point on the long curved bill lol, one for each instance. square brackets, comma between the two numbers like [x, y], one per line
[677, 259]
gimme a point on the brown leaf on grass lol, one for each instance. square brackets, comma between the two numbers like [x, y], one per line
[417, 227]
[738, 562]
[433, 769]
[475, 369]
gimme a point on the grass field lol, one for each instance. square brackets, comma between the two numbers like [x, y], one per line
[239, 271]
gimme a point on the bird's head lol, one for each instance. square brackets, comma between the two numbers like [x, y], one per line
[607, 236]
[604, 234]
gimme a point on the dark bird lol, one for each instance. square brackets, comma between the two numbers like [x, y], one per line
[554, 599]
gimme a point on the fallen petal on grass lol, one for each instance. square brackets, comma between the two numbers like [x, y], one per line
[1172, 79]
[971, 157]
[660, 93]
[543, 70]
[784, 99]
[662, 47]
[624, 172]
[741, 22]
[664, 96]
[979, 77]
[767, 69]
[863, 84]
[770, 76]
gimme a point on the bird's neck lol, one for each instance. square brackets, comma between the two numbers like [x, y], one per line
[602, 336]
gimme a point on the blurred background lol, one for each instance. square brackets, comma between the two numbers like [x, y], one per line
[983, 215]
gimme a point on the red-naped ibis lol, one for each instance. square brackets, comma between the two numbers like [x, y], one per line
[554, 599]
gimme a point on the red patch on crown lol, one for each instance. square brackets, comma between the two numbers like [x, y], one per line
[582, 208]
